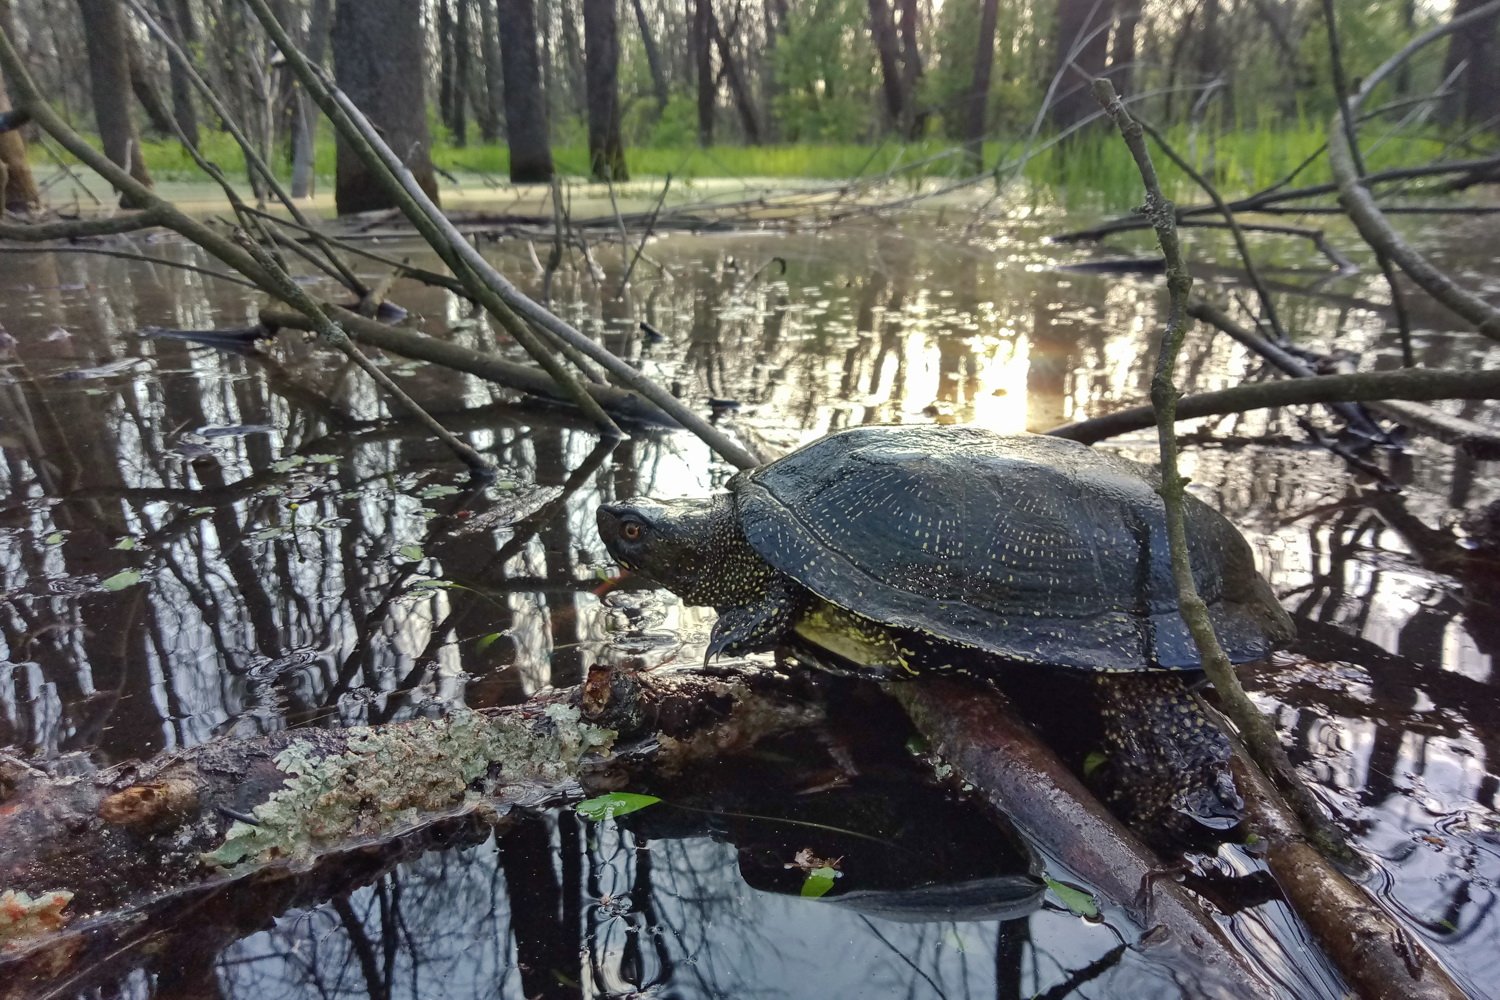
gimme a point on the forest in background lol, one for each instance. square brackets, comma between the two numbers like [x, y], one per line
[814, 88]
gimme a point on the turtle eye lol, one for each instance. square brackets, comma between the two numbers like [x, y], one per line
[632, 531]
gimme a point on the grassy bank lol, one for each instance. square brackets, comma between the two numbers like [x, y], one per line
[1093, 170]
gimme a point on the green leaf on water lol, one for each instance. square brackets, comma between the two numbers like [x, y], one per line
[437, 491]
[486, 641]
[437, 585]
[201, 510]
[818, 882]
[322, 459]
[1080, 902]
[55, 538]
[288, 463]
[1092, 762]
[121, 580]
[127, 543]
[413, 553]
[602, 807]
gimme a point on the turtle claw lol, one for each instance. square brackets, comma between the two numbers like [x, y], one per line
[754, 628]
[1215, 804]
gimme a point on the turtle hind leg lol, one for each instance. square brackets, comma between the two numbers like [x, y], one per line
[1166, 760]
[753, 628]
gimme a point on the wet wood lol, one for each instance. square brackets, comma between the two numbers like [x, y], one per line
[976, 733]
[1378, 957]
[121, 838]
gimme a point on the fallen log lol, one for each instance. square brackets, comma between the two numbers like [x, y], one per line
[113, 843]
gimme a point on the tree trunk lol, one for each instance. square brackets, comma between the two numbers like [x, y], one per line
[979, 89]
[492, 108]
[1122, 51]
[1081, 45]
[1476, 96]
[304, 130]
[146, 93]
[446, 88]
[109, 80]
[18, 190]
[184, 110]
[462, 72]
[378, 61]
[775, 21]
[702, 41]
[883, 31]
[525, 101]
[913, 116]
[601, 43]
[653, 57]
[743, 101]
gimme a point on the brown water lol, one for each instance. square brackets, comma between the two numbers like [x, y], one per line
[283, 520]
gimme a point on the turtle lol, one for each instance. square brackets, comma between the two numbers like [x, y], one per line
[912, 549]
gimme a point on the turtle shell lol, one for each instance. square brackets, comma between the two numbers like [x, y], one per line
[1029, 547]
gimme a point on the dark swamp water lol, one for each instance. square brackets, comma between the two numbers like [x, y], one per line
[282, 522]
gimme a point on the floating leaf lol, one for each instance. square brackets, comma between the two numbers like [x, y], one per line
[437, 585]
[201, 510]
[321, 459]
[614, 804]
[1093, 761]
[413, 553]
[55, 538]
[1080, 902]
[486, 641]
[127, 543]
[288, 464]
[437, 491]
[121, 580]
[818, 882]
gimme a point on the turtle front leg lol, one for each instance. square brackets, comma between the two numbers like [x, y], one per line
[754, 628]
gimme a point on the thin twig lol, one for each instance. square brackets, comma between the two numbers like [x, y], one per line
[1267, 304]
[645, 235]
[1255, 729]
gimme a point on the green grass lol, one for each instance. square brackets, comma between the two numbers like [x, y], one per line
[1093, 170]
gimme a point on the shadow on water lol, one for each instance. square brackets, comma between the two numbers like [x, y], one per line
[197, 543]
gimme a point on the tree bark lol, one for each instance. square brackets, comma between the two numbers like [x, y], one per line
[462, 72]
[146, 93]
[18, 190]
[979, 89]
[1122, 50]
[172, 16]
[743, 101]
[703, 57]
[109, 80]
[446, 88]
[492, 109]
[653, 56]
[1081, 44]
[525, 101]
[1476, 96]
[913, 116]
[304, 129]
[601, 42]
[887, 48]
[378, 61]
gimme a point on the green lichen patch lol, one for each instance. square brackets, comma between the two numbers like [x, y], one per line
[394, 778]
[24, 916]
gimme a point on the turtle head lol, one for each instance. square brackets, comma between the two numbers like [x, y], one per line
[694, 548]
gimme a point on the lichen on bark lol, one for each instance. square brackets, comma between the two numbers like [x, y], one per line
[397, 777]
